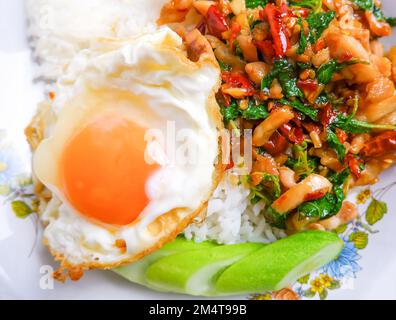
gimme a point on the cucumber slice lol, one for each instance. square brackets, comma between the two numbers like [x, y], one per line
[135, 272]
[280, 264]
[195, 272]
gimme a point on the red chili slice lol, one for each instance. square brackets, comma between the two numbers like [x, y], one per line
[216, 22]
[266, 48]
[285, 129]
[307, 85]
[230, 165]
[314, 195]
[354, 164]
[341, 135]
[201, 26]
[347, 56]
[382, 144]
[294, 134]
[311, 127]
[278, 29]
[276, 144]
[327, 115]
[237, 80]
[320, 45]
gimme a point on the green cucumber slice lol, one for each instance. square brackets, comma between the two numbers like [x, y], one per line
[135, 272]
[195, 272]
[280, 264]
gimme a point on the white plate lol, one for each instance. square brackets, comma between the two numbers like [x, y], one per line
[369, 273]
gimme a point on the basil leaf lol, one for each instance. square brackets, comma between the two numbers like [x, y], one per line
[331, 203]
[231, 112]
[224, 66]
[364, 4]
[274, 180]
[287, 76]
[336, 145]
[302, 164]
[323, 98]
[369, 5]
[255, 112]
[318, 23]
[274, 218]
[251, 4]
[321, 208]
[303, 108]
[268, 79]
[303, 66]
[303, 39]
[378, 14]
[326, 71]
[391, 21]
[351, 125]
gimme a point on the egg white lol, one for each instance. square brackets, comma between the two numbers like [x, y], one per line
[148, 79]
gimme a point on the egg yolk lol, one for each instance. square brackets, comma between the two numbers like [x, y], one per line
[103, 170]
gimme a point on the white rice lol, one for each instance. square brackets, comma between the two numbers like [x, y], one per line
[59, 29]
[231, 218]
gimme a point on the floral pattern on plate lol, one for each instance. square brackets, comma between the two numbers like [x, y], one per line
[339, 272]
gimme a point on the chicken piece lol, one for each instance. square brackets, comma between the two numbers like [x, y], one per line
[265, 129]
[376, 111]
[257, 71]
[301, 192]
[343, 47]
[287, 177]
[380, 89]
[263, 164]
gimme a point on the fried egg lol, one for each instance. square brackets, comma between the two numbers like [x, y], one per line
[117, 192]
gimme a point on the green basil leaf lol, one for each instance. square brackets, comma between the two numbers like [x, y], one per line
[255, 112]
[231, 112]
[303, 108]
[303, 39]
[321, 208]
[351, 125]
[318, 23]
[326, 71]
[275, 183]
[369, 5]
[331, 203]
[274, 218]
[336, 145]
[364, 4]
[251, 4]
[391, 21]
[287, 76]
